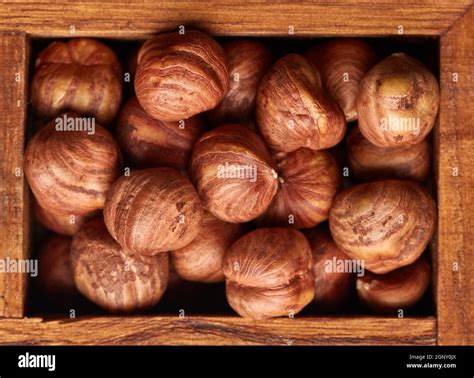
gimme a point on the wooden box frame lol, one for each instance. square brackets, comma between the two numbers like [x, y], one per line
[453, 253]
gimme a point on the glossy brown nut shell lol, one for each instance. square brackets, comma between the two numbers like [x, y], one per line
[153, 210]
[201, 260]
[71, 171]
[368, 161]
[293, 109]
[398, 102]
[234, 173]
[269, 273]
[385, 224]
[308, 182]
[81, 75]
[179, 76]
[112, 278]
[149, 142]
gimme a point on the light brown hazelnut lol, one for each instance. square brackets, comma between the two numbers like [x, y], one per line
[70, 172]
[368, 161]
[149, 142]
[397, 290]
[384, 224]
[333, 284]
[398, 102]
[180, 75]
[293, 109]
[234, 173]
[201, 260]
[153, 210]
[269, 273]
[81, 75]
[342, 64]
[55, 279]
[308, 182]
[247, 61]
[112, 278]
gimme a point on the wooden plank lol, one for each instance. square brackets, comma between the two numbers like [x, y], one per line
[130, 19]
[454, 148]
[171, 330]
[14, 194]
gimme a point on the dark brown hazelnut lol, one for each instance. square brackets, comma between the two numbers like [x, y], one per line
[234, 173]
[180, 75]
[368, 161]
[269, 273]
[70, 171]
[149, 142]
[247, 61]
[293, 109]
[397, 290]
[201, 260]
[112, 278]
[308, 182]
[153, 210]
[81, 75]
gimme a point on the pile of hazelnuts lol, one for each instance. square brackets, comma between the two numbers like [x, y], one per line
[225, 166]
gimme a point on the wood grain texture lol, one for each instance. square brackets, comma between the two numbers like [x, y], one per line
[454, 152]
[126, 19]
[14, 51]
[171, 330]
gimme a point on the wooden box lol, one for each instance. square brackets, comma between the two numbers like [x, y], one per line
[449, 22]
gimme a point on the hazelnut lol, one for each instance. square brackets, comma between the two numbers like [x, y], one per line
[234, 173]
[293, 110]
[368, 161]
[398, 102]
[247, 61]
[113, 278]
[81, 75]
[384, 224]
[342, 64]
[269, 273]
[333, 285]
[64, 224]
[70, 172]
[179, 76]
[153, 210]
[399, 289]
[55, 278]
[308, 182]
[201, 260]
[149, 142]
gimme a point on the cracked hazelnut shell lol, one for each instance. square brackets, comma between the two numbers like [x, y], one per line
[113, 278]
[269, 273]
[180, 75]
[247, 61]
[201, 260]
[149, 142]
[82, 75]
[70, 172]
[234, 173]
[368, 161]
[399, 289]
[293, 109]
[153, 210]
[308, 182]
[386, 224]
[342, 64]
[398, 102]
